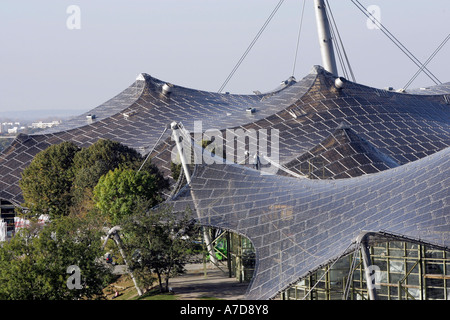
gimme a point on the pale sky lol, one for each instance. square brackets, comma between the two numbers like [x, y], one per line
[196, 44]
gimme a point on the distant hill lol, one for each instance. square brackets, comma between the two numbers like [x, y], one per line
[39, 114]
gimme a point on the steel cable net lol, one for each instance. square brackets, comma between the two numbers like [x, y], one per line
[296, 225]
[299, 225]
[401, 126]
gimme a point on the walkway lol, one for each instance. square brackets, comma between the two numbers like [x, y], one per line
[195, 285]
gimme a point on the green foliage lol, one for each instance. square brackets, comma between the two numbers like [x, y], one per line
[176, 170]
[61, 179]
[111, 154]
[34, 266]
[149, 167]
[91, 163]
[73, 186]
[46, 183]
[159, 242]
[118, 192]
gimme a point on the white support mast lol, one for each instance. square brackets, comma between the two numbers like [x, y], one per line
[362, 239]
[176, 136]
[325, 40]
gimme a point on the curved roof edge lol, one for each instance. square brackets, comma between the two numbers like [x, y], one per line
[296, 232]
[113, 106]
[131, 95]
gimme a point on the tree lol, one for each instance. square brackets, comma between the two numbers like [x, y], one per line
[159, 242]
[118, 192]
[46, 183]
[112, 153]
[60, 179]
[176, 170]
[96, 160]
[34, 266]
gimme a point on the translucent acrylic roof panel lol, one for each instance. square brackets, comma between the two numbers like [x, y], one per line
[298, 225]
[139, 115]
[342, 154]
[403, 127]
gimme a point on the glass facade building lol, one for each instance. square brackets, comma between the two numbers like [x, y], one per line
[402, 271]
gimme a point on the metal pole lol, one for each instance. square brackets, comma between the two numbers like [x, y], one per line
[368, 271]
[118, 241]
[230, 275]
[114, 234]
[362, 239]
[325, 40]
[174, 126]
[239, 260]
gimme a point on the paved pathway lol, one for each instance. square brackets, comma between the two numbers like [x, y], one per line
[194, 285]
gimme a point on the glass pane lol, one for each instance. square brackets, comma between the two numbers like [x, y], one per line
[379, 251]
[321, 296]
[381, 277]
[397, 266]
[394, 293]
[412, 246]
[410, 265]
[413, 279]
[384, 290]
[396, 245]
[380, 263]
[434, 268]
[415, 293]
[336, 296]
[434, 283]
[396, 277]
[396, 252]
[434, 293]
[431, 253]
